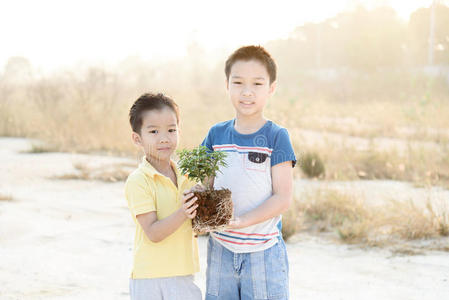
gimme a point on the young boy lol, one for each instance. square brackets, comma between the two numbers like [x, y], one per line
[165, 250]
[248, 260]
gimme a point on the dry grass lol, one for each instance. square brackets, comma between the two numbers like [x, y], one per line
[5, 197]
[422, 166]
[406, 251]
[292, 221]
[379, 139]
[351, 221]
[407, 221]
[329, 209]
[88, 111]
[109, 173]
[41, 148]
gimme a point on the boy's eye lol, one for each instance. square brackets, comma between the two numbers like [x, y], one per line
[237, 82]
[172, 130]
[258, 83]
[154, 131]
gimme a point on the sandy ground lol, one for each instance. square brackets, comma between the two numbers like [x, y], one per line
[72, 239]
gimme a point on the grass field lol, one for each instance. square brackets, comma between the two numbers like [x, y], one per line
[359, 128]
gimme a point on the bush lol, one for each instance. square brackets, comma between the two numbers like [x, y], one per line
[312, 165]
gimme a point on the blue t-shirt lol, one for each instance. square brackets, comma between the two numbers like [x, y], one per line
[248, 176]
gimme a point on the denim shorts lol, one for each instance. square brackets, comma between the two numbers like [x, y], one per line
[257, 275]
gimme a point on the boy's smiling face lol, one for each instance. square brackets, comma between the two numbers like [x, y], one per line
[159, 134]
[249, 88]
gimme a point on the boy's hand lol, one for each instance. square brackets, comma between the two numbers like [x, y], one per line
[188, 204]
[198, 188]
[236, 223]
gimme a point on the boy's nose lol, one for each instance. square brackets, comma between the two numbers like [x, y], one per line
[164, 139]
[246, 91]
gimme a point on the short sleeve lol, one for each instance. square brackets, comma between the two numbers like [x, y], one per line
[208, 140]
[282, 149]
[139, 196]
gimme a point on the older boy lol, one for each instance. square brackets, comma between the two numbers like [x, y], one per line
[249, 259]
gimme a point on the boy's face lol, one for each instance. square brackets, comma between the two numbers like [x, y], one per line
[159, 134]
[249, 87]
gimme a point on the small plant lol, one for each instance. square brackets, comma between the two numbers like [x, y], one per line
[200, 163]
[214, 206]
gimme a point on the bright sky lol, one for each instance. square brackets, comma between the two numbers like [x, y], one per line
[53, 33]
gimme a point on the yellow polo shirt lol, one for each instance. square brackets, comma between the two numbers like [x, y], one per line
[148, 190]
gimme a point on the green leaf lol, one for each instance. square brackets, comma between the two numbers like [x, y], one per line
[200, 162]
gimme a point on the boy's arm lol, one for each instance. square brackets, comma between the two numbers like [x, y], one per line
[279, 202]
[157, 230]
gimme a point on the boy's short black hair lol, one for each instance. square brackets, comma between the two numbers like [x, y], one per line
[149, 101]
[247, 53]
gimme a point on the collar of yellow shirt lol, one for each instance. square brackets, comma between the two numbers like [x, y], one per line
[151, 171]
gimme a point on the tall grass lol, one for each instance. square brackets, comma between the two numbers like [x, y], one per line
[352, 221]
[89, 112]
[422, 166]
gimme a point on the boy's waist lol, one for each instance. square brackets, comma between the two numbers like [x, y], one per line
[247, 199]
[249, 239]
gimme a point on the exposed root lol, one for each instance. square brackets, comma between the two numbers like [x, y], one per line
[214, 212]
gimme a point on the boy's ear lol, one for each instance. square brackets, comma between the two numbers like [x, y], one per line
[227, 84]
[272, 88]
[136, 139]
